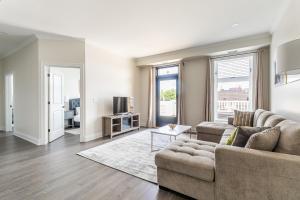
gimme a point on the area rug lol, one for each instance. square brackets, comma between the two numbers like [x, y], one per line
[75, 131]
[131, 154]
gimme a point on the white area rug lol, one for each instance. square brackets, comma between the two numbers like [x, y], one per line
[131, 154]
[75, 131]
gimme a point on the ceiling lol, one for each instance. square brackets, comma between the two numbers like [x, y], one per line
[137, 28]
[11, 38]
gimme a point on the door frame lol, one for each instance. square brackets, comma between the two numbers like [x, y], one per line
[43, 125]
[9, 84]
[165, 77]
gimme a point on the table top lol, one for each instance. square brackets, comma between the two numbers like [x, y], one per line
[166, 130]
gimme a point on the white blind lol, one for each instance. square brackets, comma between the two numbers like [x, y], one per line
[233, 68]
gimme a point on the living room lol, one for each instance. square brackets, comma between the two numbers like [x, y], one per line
[199, 102]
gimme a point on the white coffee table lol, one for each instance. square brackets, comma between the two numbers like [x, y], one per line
[166, 130]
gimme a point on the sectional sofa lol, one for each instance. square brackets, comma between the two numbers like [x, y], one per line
[209, 170]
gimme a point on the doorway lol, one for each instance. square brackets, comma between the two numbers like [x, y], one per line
[9, 103]
[63, 96]
[166, 95]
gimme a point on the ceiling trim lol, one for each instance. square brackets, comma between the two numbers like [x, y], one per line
[19, 47]
[258, 40]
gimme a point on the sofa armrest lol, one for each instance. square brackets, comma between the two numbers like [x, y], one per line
[230, 120]
[252, 174]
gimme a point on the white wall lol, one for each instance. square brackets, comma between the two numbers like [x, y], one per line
[106, 75]
[24, 66]
[2, 99]
[57, 52]
[61, 52]
[285, 99]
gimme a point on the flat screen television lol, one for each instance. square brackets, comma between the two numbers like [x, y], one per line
[121, 105]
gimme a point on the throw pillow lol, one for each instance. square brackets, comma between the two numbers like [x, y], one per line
[244, 133]
[266, 140]
[231, 137]
[243, 118]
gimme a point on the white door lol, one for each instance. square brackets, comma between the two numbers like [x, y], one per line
[9, 80]
[56, 104]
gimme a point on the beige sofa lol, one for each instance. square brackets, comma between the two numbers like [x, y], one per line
[207, 170]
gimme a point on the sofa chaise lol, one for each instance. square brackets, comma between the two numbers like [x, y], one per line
[208, 170]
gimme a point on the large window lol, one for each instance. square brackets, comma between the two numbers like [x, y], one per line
[232, 85]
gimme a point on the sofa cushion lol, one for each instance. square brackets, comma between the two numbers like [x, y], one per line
[215, 128]
[256, 115]
[226, 135]
[273, 120]
[242, 118]
[265, 140]
[231, 137]
[194, 158]
[262, 118]
[289, 140]
[244, 133]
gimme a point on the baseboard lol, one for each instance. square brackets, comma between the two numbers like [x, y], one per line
[93, 136]
[27, 137]
[2, 128]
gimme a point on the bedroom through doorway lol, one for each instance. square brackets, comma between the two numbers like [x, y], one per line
[63, 102]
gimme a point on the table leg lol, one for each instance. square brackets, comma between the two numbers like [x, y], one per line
[175, 137]
[170, 138]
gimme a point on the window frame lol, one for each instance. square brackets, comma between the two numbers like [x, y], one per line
[215, 82]
[163, 120]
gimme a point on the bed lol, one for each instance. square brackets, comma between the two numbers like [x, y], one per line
[74, 105]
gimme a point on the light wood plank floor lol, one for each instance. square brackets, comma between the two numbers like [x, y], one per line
[56, 172]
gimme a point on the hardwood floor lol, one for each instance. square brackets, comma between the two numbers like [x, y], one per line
[56, 172]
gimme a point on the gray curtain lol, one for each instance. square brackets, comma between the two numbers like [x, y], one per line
[151, 122]
[209, 91]
[262, 79]
[180, 106]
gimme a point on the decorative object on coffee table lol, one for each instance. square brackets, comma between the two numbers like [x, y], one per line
[172, 126]
[166, 130]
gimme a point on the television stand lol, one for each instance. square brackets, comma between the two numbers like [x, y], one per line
[117, 124]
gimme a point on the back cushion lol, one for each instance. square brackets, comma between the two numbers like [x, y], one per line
[273, 120]
[256, 115]
[289, 140]
[262, 118]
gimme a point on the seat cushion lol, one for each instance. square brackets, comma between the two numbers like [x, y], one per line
[194, 158]
[215, 128]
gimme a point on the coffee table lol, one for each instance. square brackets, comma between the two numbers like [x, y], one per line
[166, 130]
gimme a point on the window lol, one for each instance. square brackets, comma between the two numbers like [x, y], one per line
[232, 86]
